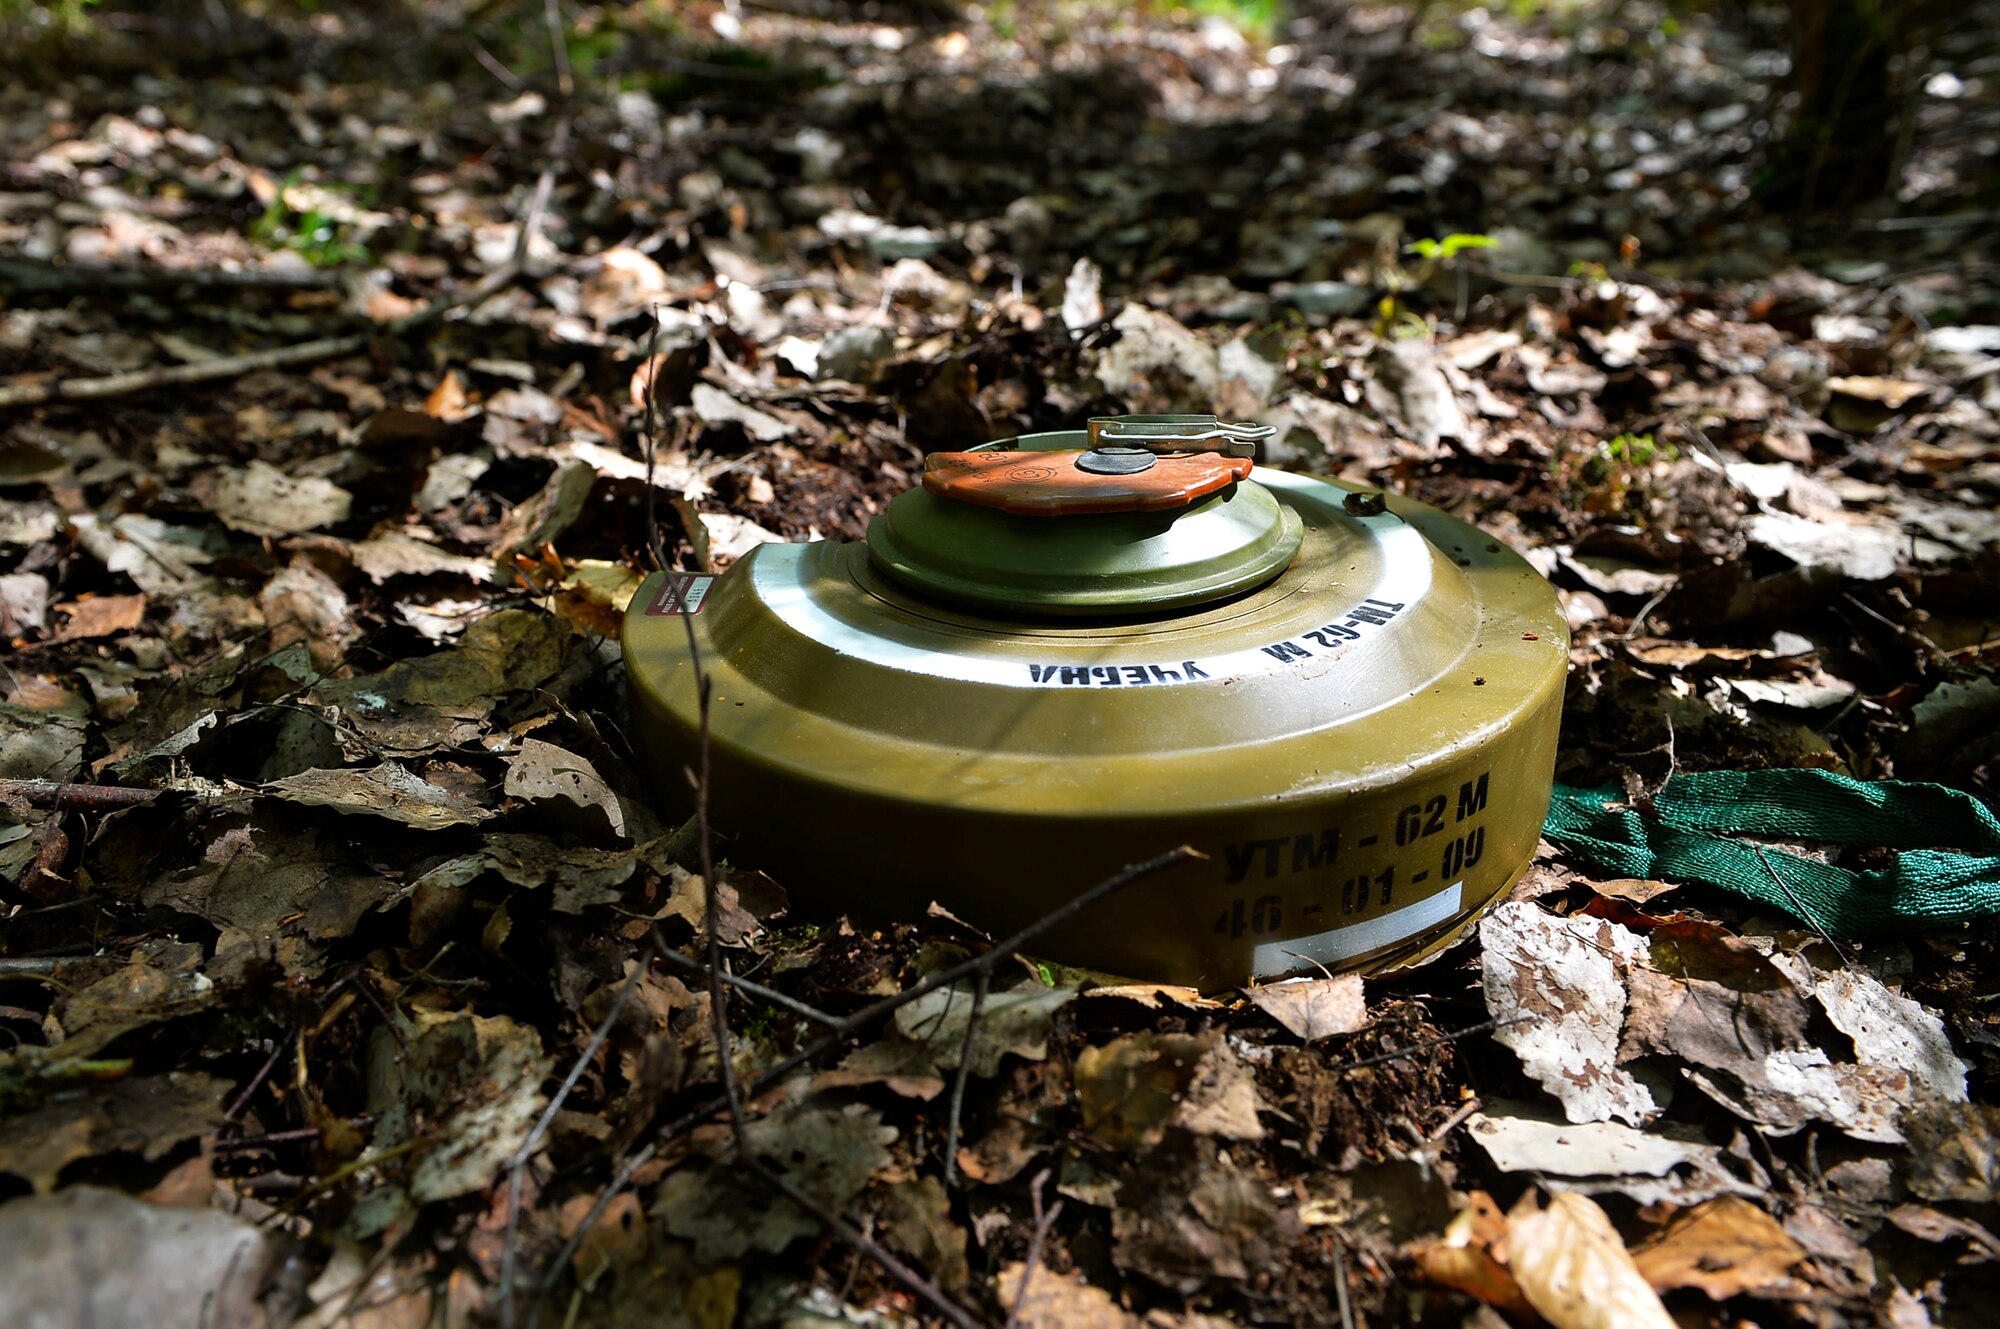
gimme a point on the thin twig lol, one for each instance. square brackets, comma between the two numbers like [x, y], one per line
[744, 985]
[517, 1166]
[52, 278]
[1799, 905]
[278, 1046]
[36, 966]
[279, 1137]
[552, 14]
[848, 1025]
[202, 371]
[1036, 1242]
[1482, 1027]
[718, 1000]
[986, 961]
[867, 1245]
[652, 445]
[538, 202]
[1340, 1286]
[979, 986]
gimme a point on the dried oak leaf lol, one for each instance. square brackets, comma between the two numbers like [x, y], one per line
[902, 1068]
[1741, 1022]
[275, 891]
[1573, 1267]
[916, 1220]
[90, 1256]
[1725, 1247]
[549, 513]
[161, 980]
[567, 788]
[416, 706]
[39, 745]
[1134, 1088]
[1464, 1257]
[582, 876]
[1645, 1166]
[1891, 1033]
[1954, 1151]
[401, 555]
[92, 616]
[1561, 981]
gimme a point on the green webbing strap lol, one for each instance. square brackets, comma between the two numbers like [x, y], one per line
[1688, 835]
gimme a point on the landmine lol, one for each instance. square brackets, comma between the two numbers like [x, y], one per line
[1069, 652]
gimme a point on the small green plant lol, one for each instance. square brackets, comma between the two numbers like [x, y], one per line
[1392, 317]
[307, 230]
[1606, 477]
[1449, 248]
[1637, 450]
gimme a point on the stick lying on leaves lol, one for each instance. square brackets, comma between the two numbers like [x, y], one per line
[57, 796]
[34, 391]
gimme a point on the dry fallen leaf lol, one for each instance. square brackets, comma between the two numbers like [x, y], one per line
[566, 788]
[262, 500]
[92, 616]
[1134, 1088]
[388, 790]
[1464, 1258]
[1058, 1301]
[1724, 1247]
[1313, 1008]
[90, 1257]
[1562, 981]
[1573, 1267]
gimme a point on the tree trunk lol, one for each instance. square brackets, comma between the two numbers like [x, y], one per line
[1840, 144]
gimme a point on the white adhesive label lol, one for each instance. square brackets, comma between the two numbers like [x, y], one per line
[1339, 945]
[681, 592]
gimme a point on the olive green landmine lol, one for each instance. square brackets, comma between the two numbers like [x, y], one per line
[1362, 745]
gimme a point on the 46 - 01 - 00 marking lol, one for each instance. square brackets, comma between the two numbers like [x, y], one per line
[1366, 894]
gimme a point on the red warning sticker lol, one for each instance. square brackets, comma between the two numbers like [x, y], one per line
[681, 593]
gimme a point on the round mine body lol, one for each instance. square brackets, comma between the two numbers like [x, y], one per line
[1361, 744]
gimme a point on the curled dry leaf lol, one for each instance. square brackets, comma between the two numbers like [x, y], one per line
[262, 500]
[388, 790]
[1573, 1267]
[1464, 1258]
[92, 616]
[567, 788]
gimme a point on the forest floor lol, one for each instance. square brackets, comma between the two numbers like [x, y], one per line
[351, 977]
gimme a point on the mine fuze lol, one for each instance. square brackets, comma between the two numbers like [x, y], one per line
[1069, 652]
